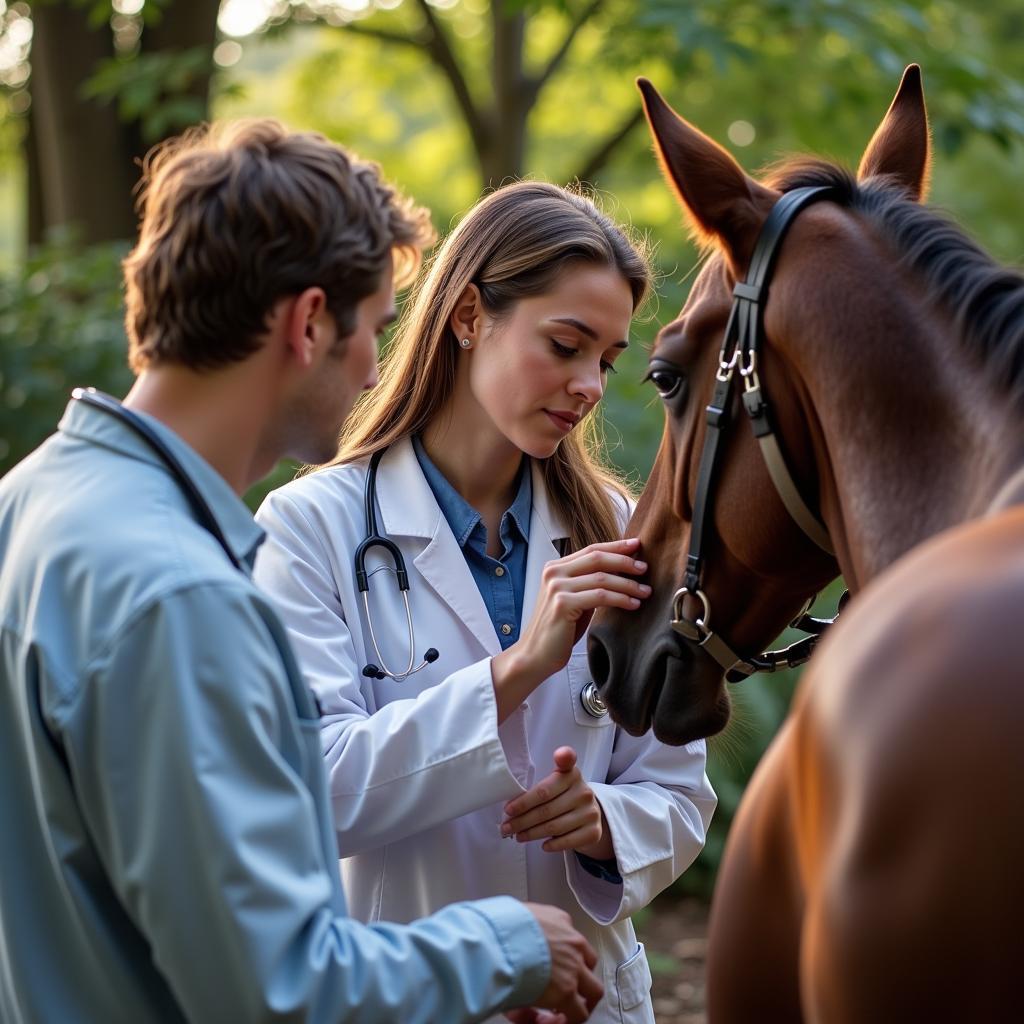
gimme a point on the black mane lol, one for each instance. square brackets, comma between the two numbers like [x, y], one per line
[985, 299]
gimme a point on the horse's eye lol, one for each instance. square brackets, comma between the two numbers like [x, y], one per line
[665, 381]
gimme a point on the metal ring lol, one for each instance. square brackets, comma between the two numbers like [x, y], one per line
[725, 369]
[703, 624]
[749, 373]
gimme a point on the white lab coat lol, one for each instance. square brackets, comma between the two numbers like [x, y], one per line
[420, 770]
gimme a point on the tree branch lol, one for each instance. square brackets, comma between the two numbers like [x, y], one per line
[440, 50]
[383, 34]
[600, 156]
[555, 62]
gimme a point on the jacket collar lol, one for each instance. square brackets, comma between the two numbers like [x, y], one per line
[94, 426]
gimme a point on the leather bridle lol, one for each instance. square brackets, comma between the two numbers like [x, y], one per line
[738, 360]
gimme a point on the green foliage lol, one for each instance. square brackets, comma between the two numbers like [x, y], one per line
[60, 327]
[153, 89]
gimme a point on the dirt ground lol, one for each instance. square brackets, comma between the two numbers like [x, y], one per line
[674, 932]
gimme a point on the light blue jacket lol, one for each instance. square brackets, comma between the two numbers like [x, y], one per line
[166, 847]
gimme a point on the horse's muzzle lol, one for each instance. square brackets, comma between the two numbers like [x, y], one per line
[669, 686]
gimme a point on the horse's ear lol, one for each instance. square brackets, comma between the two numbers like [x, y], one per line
[901, 146]
[722, 201]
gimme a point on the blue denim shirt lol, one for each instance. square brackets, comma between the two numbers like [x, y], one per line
[166, 840]
[501, 581]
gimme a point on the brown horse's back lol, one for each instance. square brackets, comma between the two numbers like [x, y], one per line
[885, 850]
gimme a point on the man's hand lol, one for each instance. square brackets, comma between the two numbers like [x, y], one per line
[573, 991]
[562, 810]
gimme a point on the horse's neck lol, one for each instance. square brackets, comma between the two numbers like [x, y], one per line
[900, 475]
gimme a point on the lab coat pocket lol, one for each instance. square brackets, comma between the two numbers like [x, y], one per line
[587, 707]
[633, 985]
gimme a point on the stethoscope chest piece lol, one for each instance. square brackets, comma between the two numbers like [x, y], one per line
[591, 701]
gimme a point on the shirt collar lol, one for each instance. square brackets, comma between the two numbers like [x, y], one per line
[95, 426]
[461, 516]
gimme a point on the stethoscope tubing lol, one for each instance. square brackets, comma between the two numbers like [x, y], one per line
[374, 539]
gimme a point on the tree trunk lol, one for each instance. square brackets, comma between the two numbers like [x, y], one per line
[505, 155]
[83, 164]
[85, 170]
[185, 25]
[33, 186]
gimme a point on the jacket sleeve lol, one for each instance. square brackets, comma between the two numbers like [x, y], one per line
[658, 803]
[185, 751]
[397, 769]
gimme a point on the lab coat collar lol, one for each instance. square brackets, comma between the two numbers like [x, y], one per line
[408, 507]
[543, 511]
[95, 426]
[547, 531]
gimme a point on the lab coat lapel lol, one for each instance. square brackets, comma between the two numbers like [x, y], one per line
[409, 509]
[547, 529]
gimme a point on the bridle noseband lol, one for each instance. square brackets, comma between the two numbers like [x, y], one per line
[739, 351]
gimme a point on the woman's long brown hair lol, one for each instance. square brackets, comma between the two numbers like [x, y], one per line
[513, 244]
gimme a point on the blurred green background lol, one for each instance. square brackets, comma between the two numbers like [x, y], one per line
[453, 96]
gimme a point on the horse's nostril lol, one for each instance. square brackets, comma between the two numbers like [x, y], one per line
[597, 655]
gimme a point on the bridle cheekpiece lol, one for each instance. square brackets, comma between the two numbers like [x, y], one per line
[738, 360]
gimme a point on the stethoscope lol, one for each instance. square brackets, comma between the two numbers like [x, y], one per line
[590, 698]
[374, 539]
[203, 513]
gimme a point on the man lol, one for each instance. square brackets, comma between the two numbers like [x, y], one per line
[167, 850]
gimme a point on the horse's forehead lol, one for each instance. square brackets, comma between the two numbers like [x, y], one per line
[712, 288]
[705, 310]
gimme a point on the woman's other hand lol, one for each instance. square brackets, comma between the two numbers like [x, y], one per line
[563, 811]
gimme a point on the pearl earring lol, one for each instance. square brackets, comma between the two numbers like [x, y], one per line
[465, 343]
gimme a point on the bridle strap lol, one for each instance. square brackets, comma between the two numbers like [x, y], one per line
[751, 296]
[784, 484]
[718, 414]
[740, 347]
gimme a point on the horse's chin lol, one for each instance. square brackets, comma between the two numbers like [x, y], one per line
[678, 691]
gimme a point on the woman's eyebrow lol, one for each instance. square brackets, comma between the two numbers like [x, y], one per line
[583, 328]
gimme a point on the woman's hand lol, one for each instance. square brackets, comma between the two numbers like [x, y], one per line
[598, 576]
[563, 811]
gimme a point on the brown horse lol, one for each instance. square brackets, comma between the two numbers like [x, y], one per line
[875, 870]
